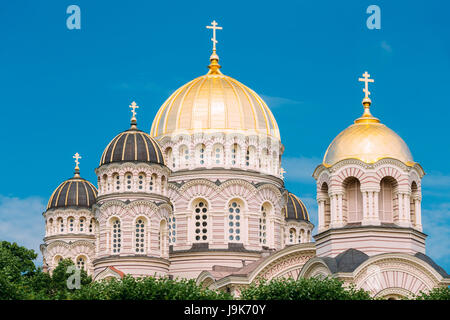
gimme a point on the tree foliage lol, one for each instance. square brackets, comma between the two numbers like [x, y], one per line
[148, 288]
[303, 289]
[439, 293]
[21, 279]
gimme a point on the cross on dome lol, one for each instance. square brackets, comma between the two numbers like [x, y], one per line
[367, 116]
[133, 107]
[366, 81]
[77, 157]
[214, 27]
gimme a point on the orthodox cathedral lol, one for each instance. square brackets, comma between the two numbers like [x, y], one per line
[203, 197]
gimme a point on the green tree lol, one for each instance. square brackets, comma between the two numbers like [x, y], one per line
[16, 268]
[439, 293]
[57, 288]
[303, 289]
[148, 288]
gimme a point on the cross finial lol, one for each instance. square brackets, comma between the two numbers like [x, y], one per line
[214, 27]
[133, 107]
[367, 116]
[366, 80]
[77, 157]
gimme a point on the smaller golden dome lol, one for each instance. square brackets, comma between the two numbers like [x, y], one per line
[367, 140]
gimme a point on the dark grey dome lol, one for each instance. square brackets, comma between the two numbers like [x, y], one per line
[75, 192]
[295, 209]
[132, 145]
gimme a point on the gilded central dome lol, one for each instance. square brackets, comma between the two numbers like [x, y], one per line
[367, 140]
[214, 103]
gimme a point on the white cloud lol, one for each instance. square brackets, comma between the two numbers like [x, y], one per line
[300, 169]
[274, 102]
[21, 221]
[436, 223]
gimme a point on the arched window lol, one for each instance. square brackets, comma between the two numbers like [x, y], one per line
[71, 224]
[91, 226]
[412, 204]
[308, 236]
[292, 235]
[235, 154]
[152, 183]
[200, 154]
[61, 224]
[265, 209]
[163, 238]
[163, 185]
[217, 154]
[104, 183]
[172, 229]
[323, 201]
[353, 200]
[170, 158]
[201, 220]
[50, 227]
[116, 181]
[184, 156]
[301, 236]
[386, 199]
[129, 181]
[234, 220]
[82, 223]
[116, 238]
[139, 239]
[81, 262]
[57, 259]
[141, 181]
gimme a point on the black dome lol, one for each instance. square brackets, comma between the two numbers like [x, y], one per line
[295, 209]
[75, 192]
[132, 145]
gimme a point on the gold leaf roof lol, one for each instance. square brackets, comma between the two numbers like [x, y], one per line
[214, 103]
[367, 140]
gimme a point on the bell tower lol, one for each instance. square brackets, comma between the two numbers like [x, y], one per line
[369, 190]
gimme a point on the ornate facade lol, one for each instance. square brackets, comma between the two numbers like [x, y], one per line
[203, 196]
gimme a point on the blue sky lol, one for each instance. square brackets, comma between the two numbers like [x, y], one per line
[65, 91]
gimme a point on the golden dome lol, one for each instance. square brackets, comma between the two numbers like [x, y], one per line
[367, 140]
[214, 103]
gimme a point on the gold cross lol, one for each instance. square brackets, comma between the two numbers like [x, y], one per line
[366, 80]
[214, 27]
[77, 157]
[133, 107]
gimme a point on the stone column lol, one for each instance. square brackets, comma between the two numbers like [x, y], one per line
[404, 219]
[418, 212]
[336, 209]
[321, 209]
[365, 213]
[376, 208]
[209, 156]
[333, 210]
[340, 209]
[370, 216]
